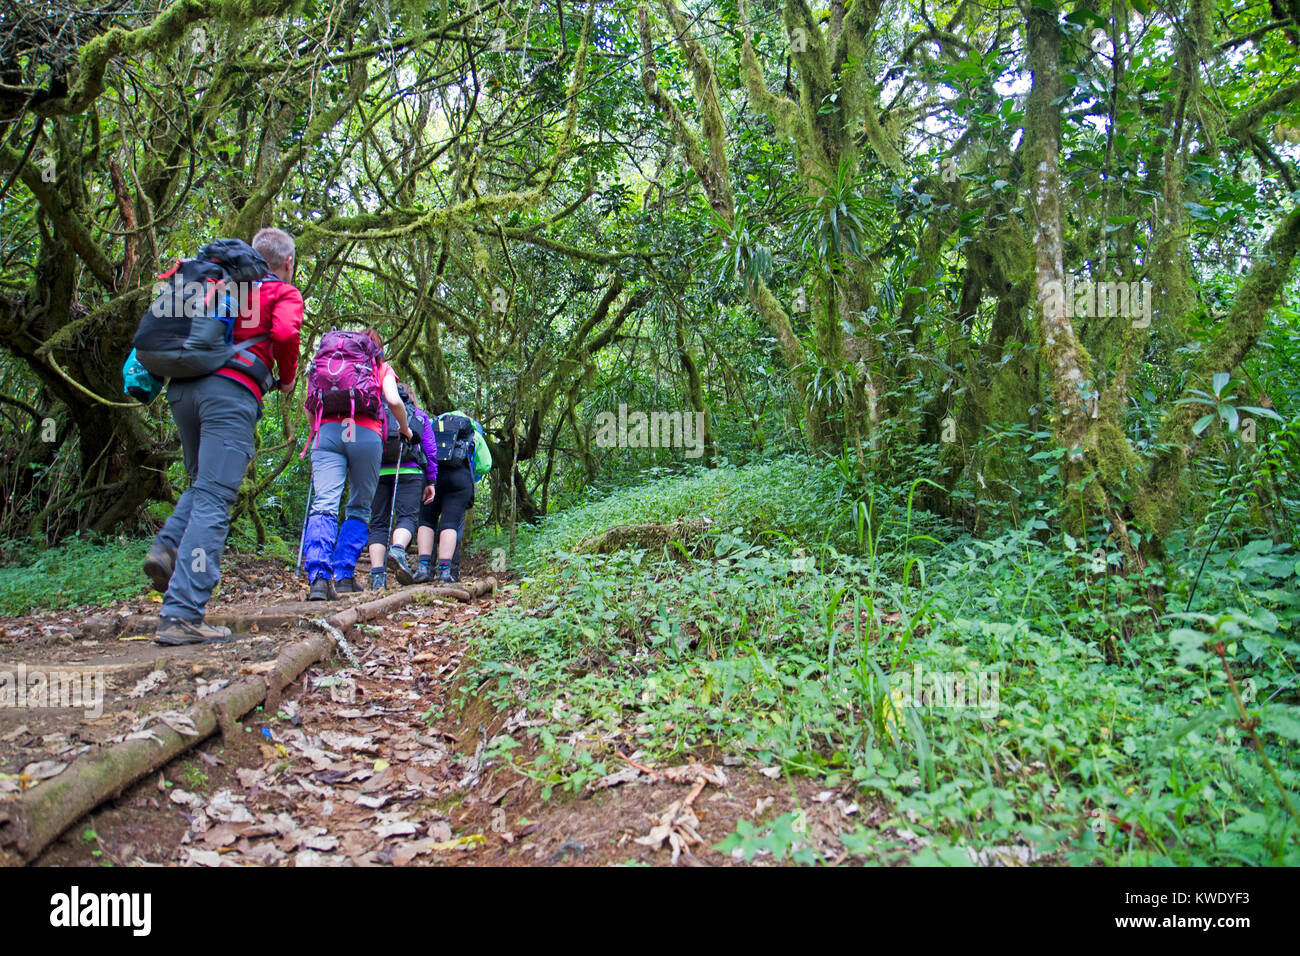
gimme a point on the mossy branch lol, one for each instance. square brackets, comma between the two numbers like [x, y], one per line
[706, 99]
[66, 221]
[1249, 118]
[782, 111]
[813, 61]
[528, 235]
[717, 191]
[447, 31]
[394, 224]
[1238, 333]
[168, 27]
[250, 215]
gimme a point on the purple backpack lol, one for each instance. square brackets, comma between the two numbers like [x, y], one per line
[344, 379]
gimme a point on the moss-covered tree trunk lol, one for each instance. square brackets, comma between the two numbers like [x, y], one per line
[1067, 363]
[695, 390]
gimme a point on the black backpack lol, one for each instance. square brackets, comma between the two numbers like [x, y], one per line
[188, 330]
[414, 447]
[455, 437]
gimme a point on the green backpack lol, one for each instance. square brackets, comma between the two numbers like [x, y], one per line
[481, 463]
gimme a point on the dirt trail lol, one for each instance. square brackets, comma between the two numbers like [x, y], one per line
[371, 766]
[111, 662]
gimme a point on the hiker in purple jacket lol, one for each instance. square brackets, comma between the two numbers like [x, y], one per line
[415, 475]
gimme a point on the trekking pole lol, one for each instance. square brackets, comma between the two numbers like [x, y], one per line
[302, 537]
[392, 511]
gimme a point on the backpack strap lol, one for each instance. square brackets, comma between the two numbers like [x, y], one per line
[383, 418]
[255, 368]
[316, 418]
[249, 343]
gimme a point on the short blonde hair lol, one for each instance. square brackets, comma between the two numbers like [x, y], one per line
[273, 245]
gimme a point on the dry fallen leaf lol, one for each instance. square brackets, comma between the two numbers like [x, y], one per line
[440, 831]
[692, 772]
[312, 858]
[346, 742]
[400, 828]
[220, 836]
[147, 683]
[625, 775]
[193, 857]
[678, 825]
[42, 769]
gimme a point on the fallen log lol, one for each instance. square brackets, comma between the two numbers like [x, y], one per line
[242, 620]
[652, 536]
[403, 596]
[48, 809]
[37, 818]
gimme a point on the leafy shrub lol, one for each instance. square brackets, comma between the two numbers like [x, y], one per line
[80, 571]
[1116, 736]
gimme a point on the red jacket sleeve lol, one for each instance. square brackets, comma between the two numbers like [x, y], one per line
[286, 321]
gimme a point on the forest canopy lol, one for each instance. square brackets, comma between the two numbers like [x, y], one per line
[811, 340]
[1014, 250]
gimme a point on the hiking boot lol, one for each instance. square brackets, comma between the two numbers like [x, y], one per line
[397, 564]
[378, 579]
[346, 586]
[322, 589]
[172, 631]
[455, 572]
[159, 565]
[422, 574]
[444, 575]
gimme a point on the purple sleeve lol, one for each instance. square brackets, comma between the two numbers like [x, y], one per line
[430, 452]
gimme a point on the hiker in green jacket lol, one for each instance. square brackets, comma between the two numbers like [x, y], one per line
[415, 476]
[463, 459]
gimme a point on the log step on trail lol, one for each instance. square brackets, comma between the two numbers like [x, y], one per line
[243, 620]
[31, 823]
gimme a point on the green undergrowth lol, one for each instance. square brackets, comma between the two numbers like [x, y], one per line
[75, 573]
[791, 498]
[88, 572]
[1088, 727]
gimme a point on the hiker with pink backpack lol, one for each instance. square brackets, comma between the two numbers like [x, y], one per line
[348, 387]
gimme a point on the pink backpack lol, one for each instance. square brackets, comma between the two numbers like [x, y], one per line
[344, 380]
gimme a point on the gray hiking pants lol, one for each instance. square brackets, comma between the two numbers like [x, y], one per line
[216, 417]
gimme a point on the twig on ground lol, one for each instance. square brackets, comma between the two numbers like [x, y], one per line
[641, 767]
[337, 637]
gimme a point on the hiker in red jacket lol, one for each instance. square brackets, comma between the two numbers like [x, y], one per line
[276, 312]
[216, 415]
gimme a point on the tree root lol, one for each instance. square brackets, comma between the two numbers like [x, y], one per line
[31, 823]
